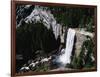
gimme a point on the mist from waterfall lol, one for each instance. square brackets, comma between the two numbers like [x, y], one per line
[65, 56]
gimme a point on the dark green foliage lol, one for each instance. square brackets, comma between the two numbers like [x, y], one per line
[42, 67]
[90, 47]
[90, 25]
[73, 17]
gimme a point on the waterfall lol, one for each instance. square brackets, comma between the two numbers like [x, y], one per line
[65, 56]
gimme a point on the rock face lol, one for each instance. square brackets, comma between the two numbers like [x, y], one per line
[83, 50]
[81, 36]
[79, 42]
[39, 14]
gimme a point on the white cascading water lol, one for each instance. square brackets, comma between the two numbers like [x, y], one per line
[65, 58]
